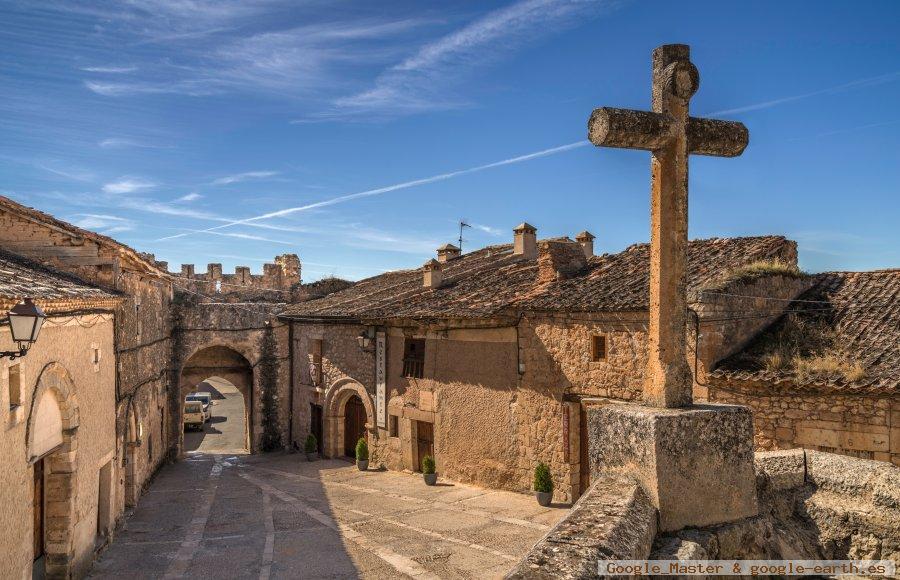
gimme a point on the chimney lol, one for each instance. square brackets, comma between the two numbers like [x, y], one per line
[433, 274]
[586, 239]
[446, 253]
[560, 260]
[187, 270]
[525, 240]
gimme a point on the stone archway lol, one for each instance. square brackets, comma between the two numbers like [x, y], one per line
[51, 439]
[133, 435]
[336, 398]
[234, 368]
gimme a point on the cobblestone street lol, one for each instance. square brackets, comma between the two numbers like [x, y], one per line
[279, 516]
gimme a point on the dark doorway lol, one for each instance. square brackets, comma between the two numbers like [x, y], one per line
[38, 509]
[583, 461]
[354, 424]
[424, 441]
[315, 424]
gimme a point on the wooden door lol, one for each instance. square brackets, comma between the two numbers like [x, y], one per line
[583, 461]
[424, 441]
[38, 507]
[354, 424]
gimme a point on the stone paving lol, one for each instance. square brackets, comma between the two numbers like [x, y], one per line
[279, 516]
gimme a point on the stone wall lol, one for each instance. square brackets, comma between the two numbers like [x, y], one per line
[210, 337]
[867, 427]
[813, 505]
[277, 279]
[142, 330]
[61, 360]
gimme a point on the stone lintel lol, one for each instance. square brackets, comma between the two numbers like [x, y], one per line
[695, 463]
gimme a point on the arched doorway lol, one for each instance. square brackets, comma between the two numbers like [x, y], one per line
[349, 415]
[133, 433]
[51, 449]
[354, 424]
[227, 376]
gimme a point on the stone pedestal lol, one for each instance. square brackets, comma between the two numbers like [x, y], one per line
[695, 463]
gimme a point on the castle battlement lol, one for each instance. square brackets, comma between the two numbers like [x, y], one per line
[281, 274]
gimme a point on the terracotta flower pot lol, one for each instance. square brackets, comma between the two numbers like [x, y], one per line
[544, 497]
[362, 464]
[430, 478]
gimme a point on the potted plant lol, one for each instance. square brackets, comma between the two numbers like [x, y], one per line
[428, 470]
[362, 454]
[543, 484]
[311, 447]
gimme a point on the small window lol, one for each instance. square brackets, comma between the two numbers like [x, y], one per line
[598, 348]
[414, 358]
[394, 426]
[15, 386]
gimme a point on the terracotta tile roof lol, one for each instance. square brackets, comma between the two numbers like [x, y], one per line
[863, 308]
[493, 281]
[45, 218]
[53, 290]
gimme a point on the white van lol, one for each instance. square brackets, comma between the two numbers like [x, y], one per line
[194, 416]
[206, 399]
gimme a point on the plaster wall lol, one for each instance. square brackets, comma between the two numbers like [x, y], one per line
[70, 342]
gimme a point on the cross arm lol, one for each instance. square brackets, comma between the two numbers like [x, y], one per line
[630, 129]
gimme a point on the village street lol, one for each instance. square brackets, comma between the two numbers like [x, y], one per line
[279, 516]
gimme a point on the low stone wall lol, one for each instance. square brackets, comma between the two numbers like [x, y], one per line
[813, 505]
[613, 520]
[867, 427]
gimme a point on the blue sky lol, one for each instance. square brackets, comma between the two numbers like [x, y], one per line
[162, 123]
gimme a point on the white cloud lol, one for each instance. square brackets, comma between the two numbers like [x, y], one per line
[110, 69]
[228, 179]
[424, 81]
[193, 196]
[487, 229]
[104, 223]
[123, 142]
[127, 185]
[69, 173]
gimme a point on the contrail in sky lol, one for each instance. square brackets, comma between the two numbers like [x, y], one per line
[387, 188]
[876, 80]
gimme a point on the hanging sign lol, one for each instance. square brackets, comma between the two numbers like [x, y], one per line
[380, 380]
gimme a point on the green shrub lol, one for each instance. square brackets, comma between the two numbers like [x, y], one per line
[362, 450]
[311, 445]
[428, 464]
[543, 481]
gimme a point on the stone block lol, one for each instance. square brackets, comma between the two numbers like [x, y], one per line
[695, 463]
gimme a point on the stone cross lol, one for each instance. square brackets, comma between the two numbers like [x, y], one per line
[670, 134]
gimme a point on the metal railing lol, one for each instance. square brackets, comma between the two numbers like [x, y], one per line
[413, 368]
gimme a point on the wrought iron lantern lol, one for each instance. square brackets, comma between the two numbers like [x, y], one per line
[25, 321]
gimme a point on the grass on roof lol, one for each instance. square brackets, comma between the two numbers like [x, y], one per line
[760, 269]
[809, 348]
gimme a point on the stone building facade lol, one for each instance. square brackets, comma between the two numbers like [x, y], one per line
[491, 358]
[142, 328]
[60, 474]
[245, 344]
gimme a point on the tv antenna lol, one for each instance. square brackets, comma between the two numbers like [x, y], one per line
[462, 224]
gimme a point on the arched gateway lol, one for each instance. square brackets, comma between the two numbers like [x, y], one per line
[349, 415]
[220, 370]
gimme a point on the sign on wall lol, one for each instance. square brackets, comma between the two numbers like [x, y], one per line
[380, 380]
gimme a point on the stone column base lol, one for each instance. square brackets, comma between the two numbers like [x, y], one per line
[695, 463]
